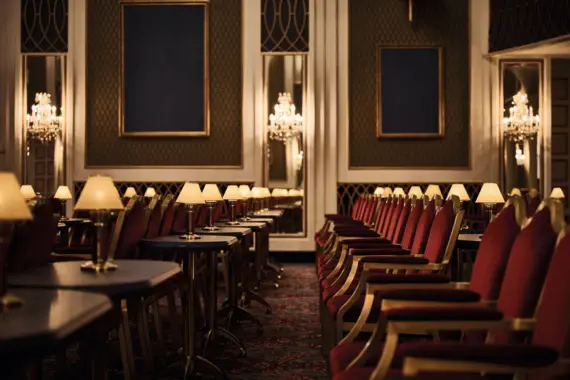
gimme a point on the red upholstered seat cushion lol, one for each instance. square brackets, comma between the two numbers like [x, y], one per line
[366, 372]
[520, 355]
[343, 354]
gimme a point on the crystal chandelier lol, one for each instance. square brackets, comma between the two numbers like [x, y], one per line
[43, 124]
[284, 124]
[521, 124]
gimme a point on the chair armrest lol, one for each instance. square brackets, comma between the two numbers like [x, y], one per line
[366, 242]
[436, 295]
[385, 278]
[388, 258]
[356, 233]
[428, 314]
[394, 251]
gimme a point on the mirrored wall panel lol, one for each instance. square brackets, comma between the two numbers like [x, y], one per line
[285, 100]
[521, 101]
[43, 129]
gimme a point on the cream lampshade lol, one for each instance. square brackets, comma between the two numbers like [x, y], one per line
[415, 191]
[387, 192]
[378, 191]
[278, 193]
[130, 192]
[557, 193]
[516, 192]
[256, 192]
[245, 191]
[232, 193]
[265, 191]
[63, 193]
[13, 208]
[211, 195]
[432, 191]
[28, 192]
[99, 196]
[150, 192]
[13, 205]
[190, 195]
[490, 195]
[458, 190]
[398, 191]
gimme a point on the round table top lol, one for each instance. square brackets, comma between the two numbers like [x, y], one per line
[251, 225]
[475, 238]
[132, 276]
[261, 219]
[75, 221]
[47, 317]
[205, 243]
[227, 230]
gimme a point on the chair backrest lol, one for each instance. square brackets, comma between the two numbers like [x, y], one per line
[370, 211]
[402, 221]
[180, 218]
[533, 201]
[154, 218]
[382, 208]
[357, 206]
[33, 242]
[416, 211]
[395, 217]
[363, 207]
[423, 227]
[552, 327]
[129, 230]
[388, 216]
[495, 248]
[441, 234]
[167, 216]
[528, 263]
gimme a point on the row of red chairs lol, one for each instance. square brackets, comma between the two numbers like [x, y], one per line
[390, 311]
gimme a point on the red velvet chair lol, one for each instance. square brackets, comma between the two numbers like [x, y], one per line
[524, 276]
[168, 207]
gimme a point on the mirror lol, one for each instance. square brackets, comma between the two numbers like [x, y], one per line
[43, 131]
[284, 78]
[521, 91]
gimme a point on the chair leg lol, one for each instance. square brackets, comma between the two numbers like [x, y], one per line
[125, 342]
[144, 336]
[158, 327]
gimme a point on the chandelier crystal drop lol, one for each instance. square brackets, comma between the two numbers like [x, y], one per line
[519, 156]
[521, 124]
[43, 124]
[285, 124]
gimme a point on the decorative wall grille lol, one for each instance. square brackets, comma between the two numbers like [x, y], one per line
[44, 26]
[284, 26]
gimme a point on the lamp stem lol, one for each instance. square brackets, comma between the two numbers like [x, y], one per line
[190, 220]
[211, 226]
[245, 211]
[63, 216]
[489, 207]
[233, 220]
[98, 262]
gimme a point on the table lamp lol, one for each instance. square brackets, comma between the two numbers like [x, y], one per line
[557, 193]
[257, 195]
[212, 196]
[266, 197]
[399, 192]
[190, 195]
[28, 193]
[490, 195]
[387, 192]
[63, 194]
[131, 192]
[245, 192]
[378, 191]
[232, 195]
[13, 208]
[516, 192]
[459, 190]
[432, 191]
[100, 197]
[415, 191]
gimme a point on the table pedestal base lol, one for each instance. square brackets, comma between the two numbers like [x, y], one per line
[199, 364]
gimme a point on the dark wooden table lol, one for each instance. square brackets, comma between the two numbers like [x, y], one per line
[132, 280]
[46, 320]
[190, 250]
[466, 249]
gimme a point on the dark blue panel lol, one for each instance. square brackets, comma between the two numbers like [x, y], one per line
[164, 75]
[409, 90]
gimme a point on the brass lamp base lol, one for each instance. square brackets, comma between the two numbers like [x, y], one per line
[90, 266]
[190, 237]
[211, 228]
[246, 219]
[232, 223]
[10, 301]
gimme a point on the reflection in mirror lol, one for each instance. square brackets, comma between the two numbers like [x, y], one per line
[284, 89]
[43, 92]
[521, 101]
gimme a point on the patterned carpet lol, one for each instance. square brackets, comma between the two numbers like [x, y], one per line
[289, 348]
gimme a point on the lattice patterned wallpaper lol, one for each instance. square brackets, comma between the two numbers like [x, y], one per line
[223, 147]
[347, 194]
[385, 22]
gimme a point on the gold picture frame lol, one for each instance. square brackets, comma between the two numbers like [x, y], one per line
[380, 133]
[202, 133]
